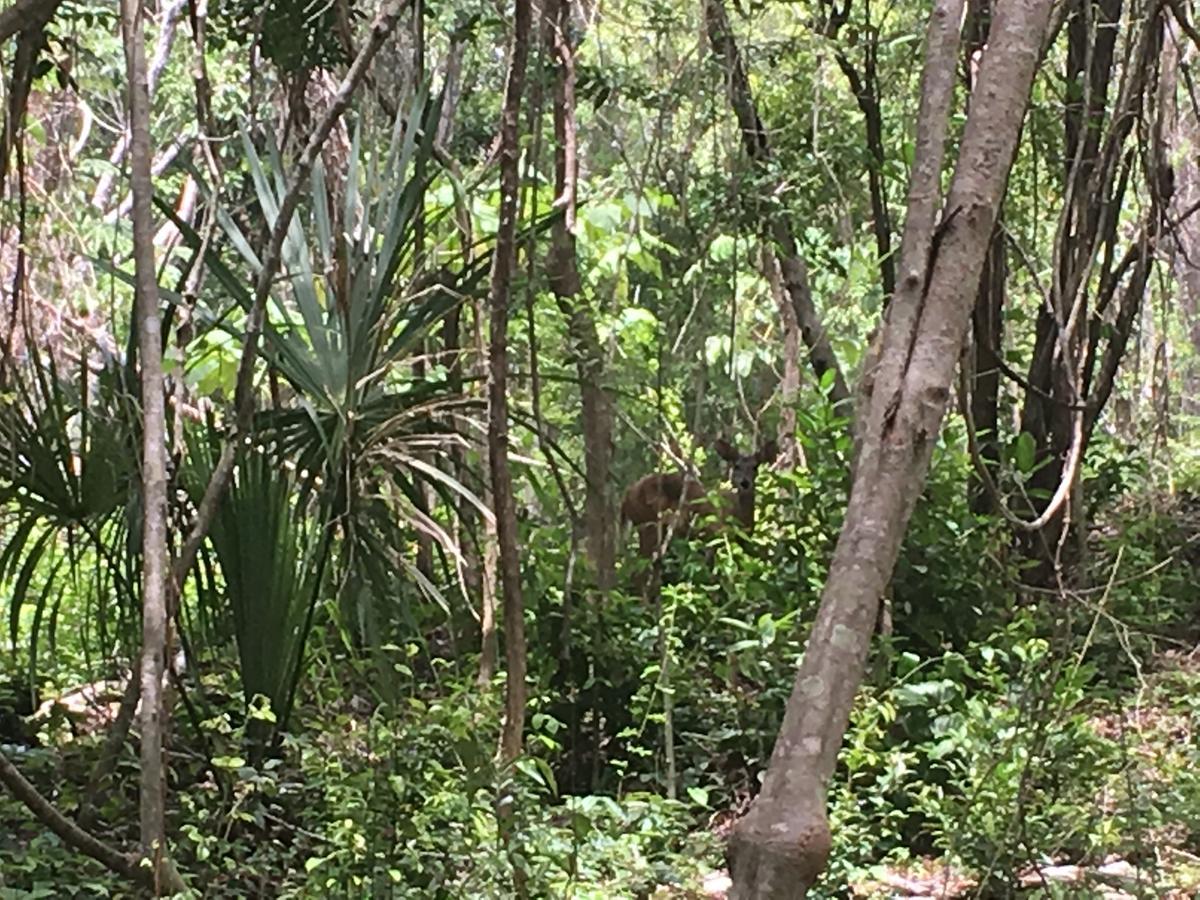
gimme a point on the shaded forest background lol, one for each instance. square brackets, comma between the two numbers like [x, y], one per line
[334, 338]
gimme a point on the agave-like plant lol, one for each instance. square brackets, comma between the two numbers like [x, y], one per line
[363, 433]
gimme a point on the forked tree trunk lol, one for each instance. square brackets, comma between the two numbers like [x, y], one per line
[154, 449]
[503, 263]
[780, 848]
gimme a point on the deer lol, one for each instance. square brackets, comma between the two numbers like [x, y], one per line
[676, 499]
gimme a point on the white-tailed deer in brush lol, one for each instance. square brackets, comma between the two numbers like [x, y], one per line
[672, 499]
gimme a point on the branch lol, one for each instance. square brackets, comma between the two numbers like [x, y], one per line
[384, 22]
[24, 14]
[162, 52]
[74, 836]
[924, 196]
[865, 88]
[30, 25]
[775, 228]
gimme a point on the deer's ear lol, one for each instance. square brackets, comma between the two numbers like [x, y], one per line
[725, 450]
[767, 452]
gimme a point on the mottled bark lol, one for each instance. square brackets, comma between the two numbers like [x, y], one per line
[154, 449]
[782, 845]
[987, 319]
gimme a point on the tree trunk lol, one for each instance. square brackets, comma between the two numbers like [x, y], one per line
[987, 330]
[1184, 139]
[782, 845]
[169, 18]
[206, 510]
[1093, 189]
[24, 14]
[503, 264]
[154, 436]
[596, 416]
[987, 319]
[865, 87]
[28, 21]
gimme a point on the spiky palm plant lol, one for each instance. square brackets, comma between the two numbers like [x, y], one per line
[365, 436]
[268, 540]
[69, 500]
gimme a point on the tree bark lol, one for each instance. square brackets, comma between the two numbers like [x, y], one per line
[987, 319]
[384, 22]
[1184, 139]
[503, 264]
[154, 448]
[779, 849]
[24, 14]
[865, 87]
[28, 20]
[596, 416]
[775, 228]
[1073, 319]
[987, 329]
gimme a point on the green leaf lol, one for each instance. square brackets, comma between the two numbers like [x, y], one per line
[1025, 452]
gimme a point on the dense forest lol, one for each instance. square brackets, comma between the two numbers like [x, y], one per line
[628, 449]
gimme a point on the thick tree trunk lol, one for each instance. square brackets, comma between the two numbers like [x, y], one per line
[782, 845]
[154, 446]
[503, 264]
[596, 416]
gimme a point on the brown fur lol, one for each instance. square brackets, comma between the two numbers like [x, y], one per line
[662, 499]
